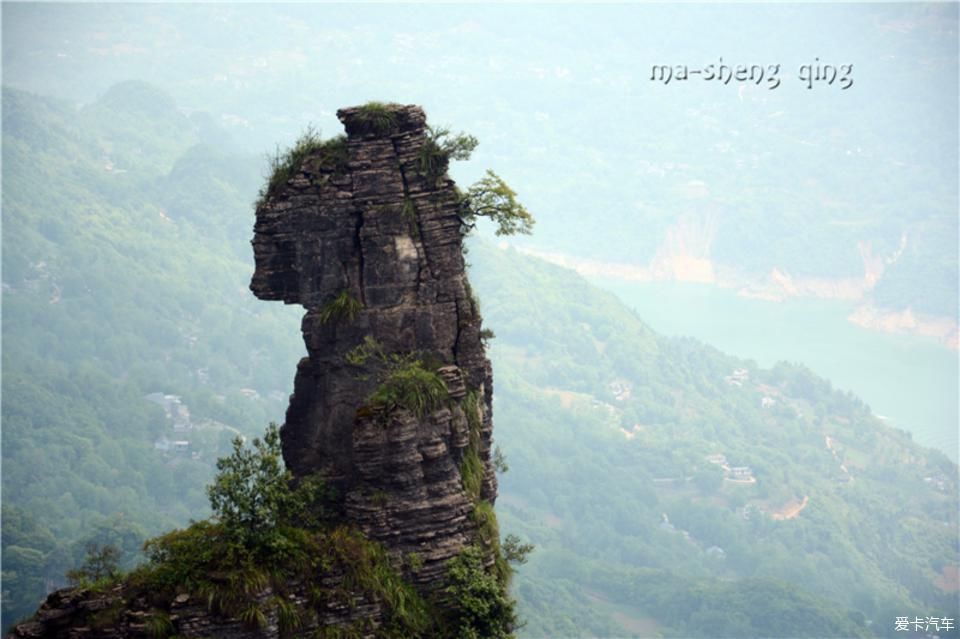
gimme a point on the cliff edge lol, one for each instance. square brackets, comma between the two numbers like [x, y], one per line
[369, 239]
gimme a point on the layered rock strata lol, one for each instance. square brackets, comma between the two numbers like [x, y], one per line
[380, 229]
[88, 614]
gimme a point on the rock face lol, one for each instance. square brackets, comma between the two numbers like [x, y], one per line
[385, 232]
[365, 234]
[82, 613]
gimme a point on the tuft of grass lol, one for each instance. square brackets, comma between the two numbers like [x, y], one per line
[431, 162]
[471, 474]
[377, 118]
[284, 164]
[107, 617]
[486, 519]
[369, 570]
[288, 614]
[488, 529]
[356, 630]
[471, 406]
[159, 626]
[410, 386]
[414, 561]
[440, 147]
[343, 306]
[471, 467]
[379, 498]
[253, 616]
[332, 156]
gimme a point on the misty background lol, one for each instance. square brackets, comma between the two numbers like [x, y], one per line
[816, 226]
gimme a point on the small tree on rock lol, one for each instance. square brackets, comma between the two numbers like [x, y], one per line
[493, 198]
[102, 561]
[253, 495]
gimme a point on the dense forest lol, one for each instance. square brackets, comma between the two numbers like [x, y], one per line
[669, 489]
[124, 275]
[668, 484]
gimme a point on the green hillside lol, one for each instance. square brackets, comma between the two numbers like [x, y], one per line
[608, 429]
[125, 273]
[125, 270]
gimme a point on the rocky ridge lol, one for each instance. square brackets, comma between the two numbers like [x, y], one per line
[386, 234]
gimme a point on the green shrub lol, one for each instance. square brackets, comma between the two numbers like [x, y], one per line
[180, 557]
[489, 197]
[231, 579]
[488, 530]
[343, 306]
[439, 148]
[368, 570]
[285, 164]
[500, 461]
[101, 566]
[515, 551]
[409, 386]
[360, 354]
[481, 608]
[270, 533]
[251, 492]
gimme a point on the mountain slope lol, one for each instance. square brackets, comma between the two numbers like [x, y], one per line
[123, 276]
[610, 430]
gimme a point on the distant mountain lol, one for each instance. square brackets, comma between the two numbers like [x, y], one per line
[669, 488]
